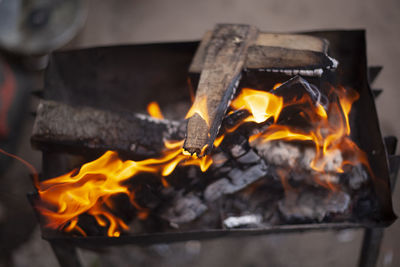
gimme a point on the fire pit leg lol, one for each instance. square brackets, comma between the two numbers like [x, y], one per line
[373, 236]
[66, 254]
[370, 247]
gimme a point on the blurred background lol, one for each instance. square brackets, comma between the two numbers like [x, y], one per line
[110, 22]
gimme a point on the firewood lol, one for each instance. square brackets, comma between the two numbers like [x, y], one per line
[58, 125]
[278, 52]
[223, 63]
[290, 61]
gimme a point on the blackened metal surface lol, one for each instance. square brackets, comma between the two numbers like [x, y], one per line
[129, 77]
[120, 78]
[349, 48]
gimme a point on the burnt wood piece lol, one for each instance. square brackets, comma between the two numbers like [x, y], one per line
[278, 52]
[79, 128]
[223, 63]
[289, 61]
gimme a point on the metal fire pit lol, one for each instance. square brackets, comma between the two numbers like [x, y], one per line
[126, 78]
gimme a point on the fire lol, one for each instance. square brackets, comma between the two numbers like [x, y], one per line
[330, 129]
[154, 110]
[199, 107]
[91, 188]
[262, 105]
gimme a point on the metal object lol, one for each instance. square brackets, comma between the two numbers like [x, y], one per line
[373, 237]
[39, 27]
[108, 70]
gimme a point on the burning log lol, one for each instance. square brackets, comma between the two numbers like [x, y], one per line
[223, 63]
[221, 57]
[64, 126]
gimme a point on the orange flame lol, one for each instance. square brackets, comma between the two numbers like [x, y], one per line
[90, 189]
[154, 110]
[199, 107]
[276, 86]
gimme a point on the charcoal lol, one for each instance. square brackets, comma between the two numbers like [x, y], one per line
[217, 189]
[184, 209]
[224, 169]
[356, 177]
[219, 160]
[278, 153]
[310, 205]
[249, 157]
[296, 87]
[192, 172]
[239, 180]
[237, 151]
[232, 119]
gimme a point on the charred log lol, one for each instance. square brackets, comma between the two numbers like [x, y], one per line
[223, 63]
[70, 129]
[278, 52]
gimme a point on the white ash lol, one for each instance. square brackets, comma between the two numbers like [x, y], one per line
[171, 125]
[357, 177]
[309, 205]
[308, 156]
[328, 178]
[304, 72]
[335, 63]
[156, 120]
[245, 220]
[184, 209]
[331, 161]
[278, 153]
[283, 154]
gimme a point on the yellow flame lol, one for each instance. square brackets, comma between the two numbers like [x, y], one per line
[199, 107]
[154, 110]
[262, 105]
[89, 190]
